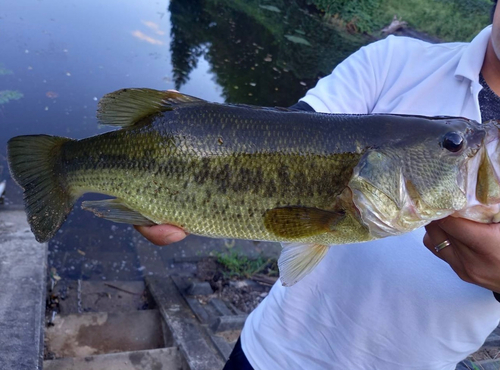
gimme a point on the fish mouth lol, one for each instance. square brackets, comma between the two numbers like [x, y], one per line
[483, 179]
[488, 170]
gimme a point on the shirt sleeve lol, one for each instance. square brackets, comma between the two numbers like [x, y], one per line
[355, 84]
[301, 105]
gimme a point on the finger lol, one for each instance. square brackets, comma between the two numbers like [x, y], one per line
[161, 234]
[470, 233]
[451, 254]
[434, 236]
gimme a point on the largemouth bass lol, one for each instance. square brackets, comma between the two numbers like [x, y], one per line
[235, 171]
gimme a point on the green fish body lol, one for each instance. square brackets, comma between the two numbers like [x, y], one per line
[235, 171]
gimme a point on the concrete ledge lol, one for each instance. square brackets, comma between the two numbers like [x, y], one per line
[164, 359]
[23, 264]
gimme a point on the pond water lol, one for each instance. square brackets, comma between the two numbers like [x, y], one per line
[57, 58]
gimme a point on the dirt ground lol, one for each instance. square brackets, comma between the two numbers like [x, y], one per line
[245, 293]
[490, 353]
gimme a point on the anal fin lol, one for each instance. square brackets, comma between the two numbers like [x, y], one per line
[299, 259]
[115, 210]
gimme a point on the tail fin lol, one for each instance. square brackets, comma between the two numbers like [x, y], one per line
[35, 164]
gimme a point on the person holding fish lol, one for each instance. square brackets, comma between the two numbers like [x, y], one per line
[389, 303]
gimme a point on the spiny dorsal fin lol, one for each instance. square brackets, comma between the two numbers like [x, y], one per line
[297, 222]
[127, 106]
[299, 259]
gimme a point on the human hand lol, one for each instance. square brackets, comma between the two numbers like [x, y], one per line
[474, 253]
[162, 234]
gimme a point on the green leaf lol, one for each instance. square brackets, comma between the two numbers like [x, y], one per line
[297, 40]
[7, 95]
[271, 8]
[5, 71]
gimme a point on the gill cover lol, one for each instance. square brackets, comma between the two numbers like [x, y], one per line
[403, 186]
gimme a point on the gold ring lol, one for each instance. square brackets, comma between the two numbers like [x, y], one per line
[442, 245]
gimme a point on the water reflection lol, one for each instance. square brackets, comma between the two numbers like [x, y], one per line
[264, 55]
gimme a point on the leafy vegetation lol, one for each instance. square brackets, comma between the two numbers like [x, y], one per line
[4, 71]
[236, 265]
[7, 95]
[354, 15]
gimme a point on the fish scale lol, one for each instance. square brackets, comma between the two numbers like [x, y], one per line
[234, 174]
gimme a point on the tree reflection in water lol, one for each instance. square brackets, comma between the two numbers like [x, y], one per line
[260, 54]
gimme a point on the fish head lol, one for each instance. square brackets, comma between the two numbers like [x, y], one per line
[421, 176]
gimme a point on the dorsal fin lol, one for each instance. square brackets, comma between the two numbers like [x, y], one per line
[127, 106]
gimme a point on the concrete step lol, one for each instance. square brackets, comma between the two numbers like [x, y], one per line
[155, 359]
[100, 296]
[193, 339]
[22, 296]
[82, 335]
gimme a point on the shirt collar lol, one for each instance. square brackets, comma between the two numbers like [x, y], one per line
[470, 65]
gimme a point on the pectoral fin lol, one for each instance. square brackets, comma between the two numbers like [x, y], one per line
[115, 210]
[299, 259]
[297, 222]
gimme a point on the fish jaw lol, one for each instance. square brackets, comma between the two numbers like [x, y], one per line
[483, 180]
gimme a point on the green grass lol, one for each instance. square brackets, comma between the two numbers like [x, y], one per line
[236, 265]
[448, 20]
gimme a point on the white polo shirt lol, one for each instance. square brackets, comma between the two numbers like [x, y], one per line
[389, 304]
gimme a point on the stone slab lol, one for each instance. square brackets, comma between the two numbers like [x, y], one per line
[493, 340]
[101, 296]
[188, 334]
[90, 334]
[199, 288]
[223, 346]
[23, 264]
[226, 323]
[220, 306]
[163, 358]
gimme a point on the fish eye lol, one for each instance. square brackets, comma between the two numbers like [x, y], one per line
[453, 142]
